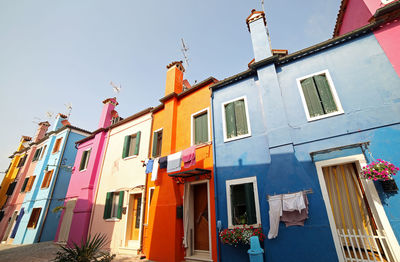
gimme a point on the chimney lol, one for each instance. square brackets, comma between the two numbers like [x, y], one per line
[174, 82]
[257, 26]
[108, 112]
[58, 122]
[41, 131]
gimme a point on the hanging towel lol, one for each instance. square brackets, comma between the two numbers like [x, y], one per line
[154, 170]
[189, 156]
[294, 218]
[275, 212]
[162, 161]
[149, 166]
[292, 202]
[174, 162]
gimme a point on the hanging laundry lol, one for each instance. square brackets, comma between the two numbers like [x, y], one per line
[149, 166]
[174, 162]
[292, 202]
[294, 218]
[162, 161]
[154, 171]
[189, 157]
[275, 212]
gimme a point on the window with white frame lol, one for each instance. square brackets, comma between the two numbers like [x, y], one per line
[84, 159]
[236, 122]
[157, 143]
[113, 205]
[200, 130]
[242, 202]
[151, 192]
[131, 145]
[319, 96]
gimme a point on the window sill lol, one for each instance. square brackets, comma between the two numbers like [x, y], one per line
[324, 116]
[247, 226]
[235, 138]
[130, 157]
[112, 219]
[203, 144]
[83, 170]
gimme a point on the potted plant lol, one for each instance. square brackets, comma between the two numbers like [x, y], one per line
[240, 235]
[383, 171]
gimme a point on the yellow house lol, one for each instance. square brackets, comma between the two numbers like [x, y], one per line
[18, 158]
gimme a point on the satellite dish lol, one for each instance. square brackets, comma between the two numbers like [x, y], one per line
[116, 88]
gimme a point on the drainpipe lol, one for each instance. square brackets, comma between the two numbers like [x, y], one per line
[54, 185]
[219, 254]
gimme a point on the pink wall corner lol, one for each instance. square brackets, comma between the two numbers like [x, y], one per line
[356, 15]
[388, 37]
[108, 106]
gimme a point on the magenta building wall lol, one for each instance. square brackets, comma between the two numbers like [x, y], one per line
[83, 184]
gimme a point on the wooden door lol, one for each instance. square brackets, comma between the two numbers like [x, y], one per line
[135, 217]
[66, 221]
[200, 216]
[9, 226]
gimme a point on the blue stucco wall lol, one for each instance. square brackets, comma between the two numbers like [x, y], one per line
[39, 198]
[278, 150]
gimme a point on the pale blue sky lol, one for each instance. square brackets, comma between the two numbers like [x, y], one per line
[55, 52]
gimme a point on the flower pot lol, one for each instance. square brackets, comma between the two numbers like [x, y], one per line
[389, 185]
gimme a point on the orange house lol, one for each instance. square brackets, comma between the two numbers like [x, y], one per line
[179, 222]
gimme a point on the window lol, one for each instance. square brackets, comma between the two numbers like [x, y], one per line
[131, 145]
[37, 154]
[319, 96]
[11, 188]
[22, 160]
[47, 179]
[113, 206]
[33, 220]
[243, 206]
[157, 143]
[151, 192]
[85, 159]
[57, 145]
[24, 184]
[43, 151]
[30, 183]
[200, 131]
[138, 211]
[236, 120]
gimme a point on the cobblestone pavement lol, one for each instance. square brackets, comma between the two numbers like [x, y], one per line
[41, 252]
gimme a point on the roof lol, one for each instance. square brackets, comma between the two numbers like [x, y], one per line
[339, 18]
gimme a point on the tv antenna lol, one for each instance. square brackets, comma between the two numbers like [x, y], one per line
[184, 52]
[116, 88]
[68, 106]
[49, 114]
[36, 120]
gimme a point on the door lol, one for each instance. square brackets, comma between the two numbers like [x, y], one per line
[200, 216]
[66, 221]
[9, 226]
[135, 209]
[358, 229]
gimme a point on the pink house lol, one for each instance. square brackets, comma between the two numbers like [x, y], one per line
[75, 217]
[382, 15]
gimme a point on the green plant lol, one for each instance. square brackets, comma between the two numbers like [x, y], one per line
[87, 251]
[58, 209]
[379, 170]
[240, 235]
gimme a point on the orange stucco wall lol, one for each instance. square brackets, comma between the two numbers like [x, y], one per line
[163, 235]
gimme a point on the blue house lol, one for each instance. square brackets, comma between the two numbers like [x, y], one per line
[307, 123]
[48, 184]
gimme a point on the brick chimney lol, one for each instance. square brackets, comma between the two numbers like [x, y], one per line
[174, 83]
[58, 122]
[107, 113]
[257, 26]
[41, 131]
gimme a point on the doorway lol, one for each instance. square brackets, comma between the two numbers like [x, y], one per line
[134, 217]
[9, 226]
[66, 221]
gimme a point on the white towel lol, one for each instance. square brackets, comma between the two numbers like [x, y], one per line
[293, 202]
[275, 213]
[174, 162]
[155, 170]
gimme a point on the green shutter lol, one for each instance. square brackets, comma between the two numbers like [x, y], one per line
[230, 120]
[201, 129]
[120, 203]
[137, 143]
[325, 94]
[155, 135]
[125, 151]
[250, 204]
[311, 96]
[107, 207]
[240, 118]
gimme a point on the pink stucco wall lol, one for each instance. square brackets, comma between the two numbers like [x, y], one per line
[356, 15]
[83, 183]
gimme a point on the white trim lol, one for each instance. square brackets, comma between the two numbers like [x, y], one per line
[87, 160]
[247, 118]
[192, 137]
[333, 91]
[372, 197]
[228, 198]
[125, 243]
[148, 203]
[152, 140]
